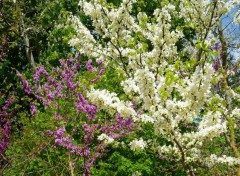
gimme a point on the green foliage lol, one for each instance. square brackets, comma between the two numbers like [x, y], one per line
[111, 80]
[32, 150]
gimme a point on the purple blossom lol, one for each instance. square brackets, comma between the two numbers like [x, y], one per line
[25, 84]
[60, 132]
[46, 87]
[99, 62]
[89, 66]
[8, 103]
[57, 116]
[216, 47]
[101, 71]
[51, 80]
[46, 102]
[69, 82]
[62, 62]
[19, 75]
[86, 152]
[50, 96]
[139, 112]
[33, 108]
[39, 70]
[216, 65]
[87, 128]
[58, 91]
[65, 141]
[95, 79]
[49, 132]
[83, 106]
[133, 105]
[92, 110]
[27, 89]
[4, 138]
[121, 125]
[69, 61]
[56, 70]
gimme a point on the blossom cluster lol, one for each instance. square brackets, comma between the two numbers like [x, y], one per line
[51, 88]
[137, 144]
[170, 91]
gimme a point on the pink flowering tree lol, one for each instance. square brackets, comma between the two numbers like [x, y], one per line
[5, 124]
[80, 128]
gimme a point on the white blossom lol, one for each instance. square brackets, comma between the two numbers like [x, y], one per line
[105, 138]
[138, 144]
[171, 92]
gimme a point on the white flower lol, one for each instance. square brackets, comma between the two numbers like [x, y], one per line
[105, 138]
[145, 118]
[173, 93]
[109, 102]
[213, 159]
[137, 173]
[137, 144]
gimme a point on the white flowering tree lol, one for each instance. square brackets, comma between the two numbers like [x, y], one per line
[168, 75]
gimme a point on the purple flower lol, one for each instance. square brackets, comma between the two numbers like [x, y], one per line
[5, 134]
[86, 152]
[57, 115]
[95, 79]
[83, 106]
[51, 80]
[87, 128]
[25, 84]
[101, 71]
[70, 84]
[33, 108]
[8, 103]
[40, 70]
[50, 96]
[19, 75]
[49, 132]
[62, 62]
[216, 65]
[139, 112]
[60, 132]
[91, 109]
[89, 66]
[27, 89]
[99, 62]
[133, 105]
[69, 61]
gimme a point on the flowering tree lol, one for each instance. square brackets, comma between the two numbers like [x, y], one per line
[168, 75]
[78, 128]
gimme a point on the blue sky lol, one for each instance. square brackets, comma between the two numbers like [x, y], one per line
[232, 30]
